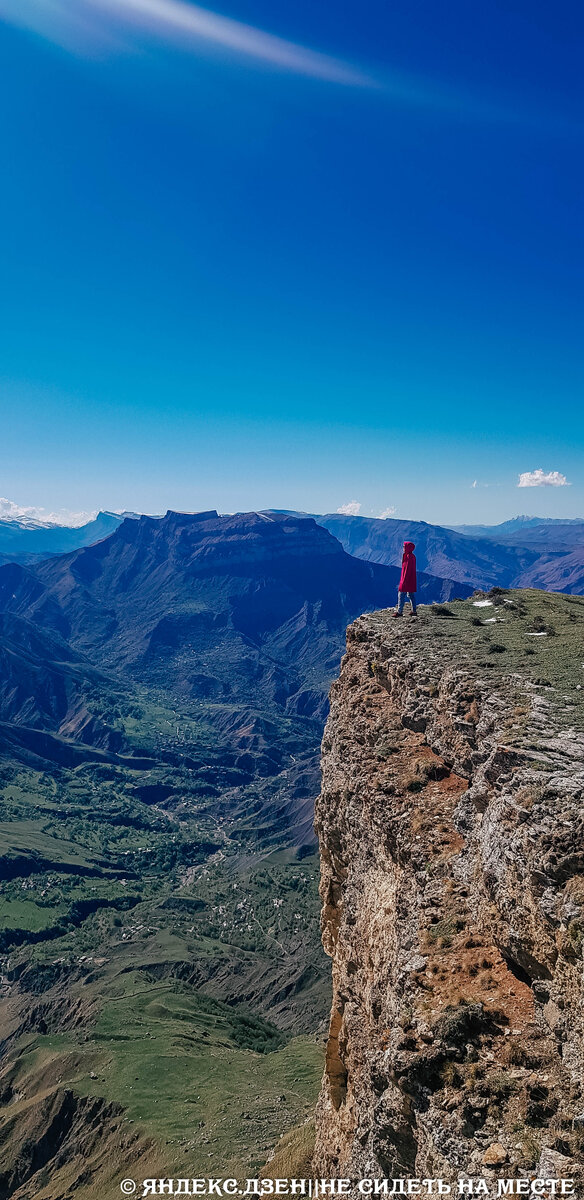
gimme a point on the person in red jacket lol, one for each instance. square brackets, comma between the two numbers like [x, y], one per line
[408, 583]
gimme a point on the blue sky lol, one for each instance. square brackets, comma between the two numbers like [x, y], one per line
[340, 263]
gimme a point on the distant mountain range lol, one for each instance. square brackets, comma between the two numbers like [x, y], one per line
[214, 606]
[525, 551]
[545, 535]
[243, 615]
[529, 553]
[23, 539]
[473, 561]
[516, 526]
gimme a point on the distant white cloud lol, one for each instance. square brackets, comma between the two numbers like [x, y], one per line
[9, 511]
[388, 512]
[540, 478]
[351, 509]
[475, 483]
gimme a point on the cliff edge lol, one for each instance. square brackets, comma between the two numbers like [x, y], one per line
[451, 834]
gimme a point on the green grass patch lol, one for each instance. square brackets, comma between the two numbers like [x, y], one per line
[25, 914]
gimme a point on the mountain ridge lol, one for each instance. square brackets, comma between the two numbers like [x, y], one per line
[486, 555]
[156, 585]
[517, 559]
[439, 550]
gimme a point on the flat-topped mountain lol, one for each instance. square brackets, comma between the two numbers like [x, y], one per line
[522, 552]
[236, 607]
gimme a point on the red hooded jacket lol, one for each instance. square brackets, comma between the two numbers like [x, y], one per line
[408, 581]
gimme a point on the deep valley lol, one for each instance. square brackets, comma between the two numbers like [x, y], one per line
[163, 694]
[162, 699]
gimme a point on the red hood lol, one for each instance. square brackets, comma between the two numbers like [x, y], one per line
[408, 547]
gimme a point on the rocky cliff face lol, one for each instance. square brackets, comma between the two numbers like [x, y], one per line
[450, 825]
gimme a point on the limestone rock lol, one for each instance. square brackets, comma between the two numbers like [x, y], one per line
[495, 1155]
[452, 890]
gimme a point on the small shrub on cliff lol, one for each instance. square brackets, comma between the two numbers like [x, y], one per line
[421, 771]
[538, 625]
[501, 1085]
[464, 1022]
[517, 1055]
[530, 1147]
[451, 1075]
[529, 795]
[475, 1072]
[405, 1016]
[442, 932]
[440, 610]
[417, 777]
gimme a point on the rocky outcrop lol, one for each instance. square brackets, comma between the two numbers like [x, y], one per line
[450, 826]
[61, 1145]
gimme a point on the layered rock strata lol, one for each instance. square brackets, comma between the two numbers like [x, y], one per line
[451, 834]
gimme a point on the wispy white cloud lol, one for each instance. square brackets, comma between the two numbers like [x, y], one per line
[77, 24]
[388, 512]
[10, 511]
[351, 509]
[540, 478]
[475, 483]
[97, 27]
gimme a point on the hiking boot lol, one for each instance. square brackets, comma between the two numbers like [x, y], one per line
[414, 613]
[397, 614]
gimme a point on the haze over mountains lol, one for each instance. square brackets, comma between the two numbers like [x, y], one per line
[23, 539]
[475, 562]
[517, 526]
